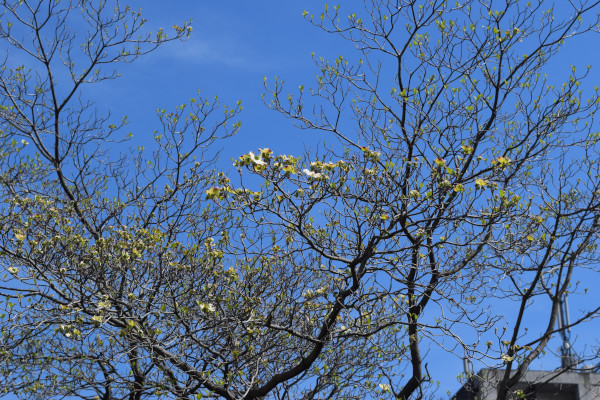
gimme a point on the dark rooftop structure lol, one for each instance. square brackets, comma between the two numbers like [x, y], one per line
[535, 385]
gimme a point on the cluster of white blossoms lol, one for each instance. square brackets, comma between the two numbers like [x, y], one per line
[316, 171]
[311, 294]
[318, 176]
[207, 308]
[258, 161]
[385, 388]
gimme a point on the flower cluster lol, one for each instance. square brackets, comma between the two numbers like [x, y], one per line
[206, 308]
[257, 161]
[317, 169]
[68, 330]
[370, 154]
[317, 176]
[501, 162]
[481, 183]
[322, 166]
[311, 294]
[219, 193]
[215, 193]
[288, 164]
[467, 149]
[440, 162]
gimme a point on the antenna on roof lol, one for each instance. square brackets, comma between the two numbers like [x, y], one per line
[568, 357]
[467, 367]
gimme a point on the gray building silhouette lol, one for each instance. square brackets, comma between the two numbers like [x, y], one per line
[535, 385]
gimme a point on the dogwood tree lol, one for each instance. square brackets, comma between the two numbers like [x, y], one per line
[457, 179]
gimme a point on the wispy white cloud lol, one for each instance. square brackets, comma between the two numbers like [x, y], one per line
[221, 52]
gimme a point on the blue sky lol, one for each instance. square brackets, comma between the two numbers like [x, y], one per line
[233, 45]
